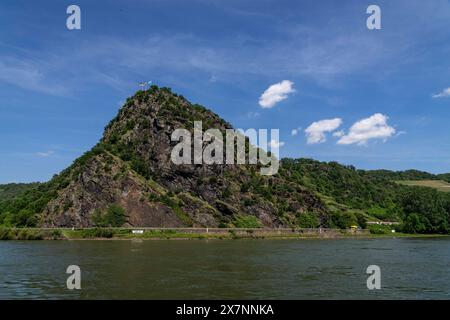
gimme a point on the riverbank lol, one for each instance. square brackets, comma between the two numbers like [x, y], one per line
[191, 233]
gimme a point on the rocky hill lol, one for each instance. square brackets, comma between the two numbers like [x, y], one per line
[131, 167]
[130, 170]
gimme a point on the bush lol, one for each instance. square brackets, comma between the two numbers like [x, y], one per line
[114, 217]
[97, 233]
[26, 234]
[380, 229]
[414, 223]
[249, 202]
[20, 234]
[5, 234]
[247, 222]
[308, 220]
[362, 220]
[56, 234]
[226, 193]
[98, 219]
[344, 220]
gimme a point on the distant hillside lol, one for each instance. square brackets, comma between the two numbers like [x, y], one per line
[129, 179]
[11, 190]
[402, 175]
[439, 185]
[407, 175]
[445, 177]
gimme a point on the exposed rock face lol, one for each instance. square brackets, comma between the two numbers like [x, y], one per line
[106, 180]
[131, 167]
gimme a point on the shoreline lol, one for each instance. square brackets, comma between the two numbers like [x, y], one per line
[195, 234]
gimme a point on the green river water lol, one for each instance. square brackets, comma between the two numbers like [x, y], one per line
[411, 268]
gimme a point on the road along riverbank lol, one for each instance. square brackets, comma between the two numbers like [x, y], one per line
[187, 233]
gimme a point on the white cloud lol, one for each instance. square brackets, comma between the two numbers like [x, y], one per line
[276, 93]
[27, 75]
[295, 131]
[339, 134]
[374, 127]
[274, 144]
[443, 94]
[45, 154]
[315, 133]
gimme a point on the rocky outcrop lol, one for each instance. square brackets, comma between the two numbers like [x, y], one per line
[131, 167]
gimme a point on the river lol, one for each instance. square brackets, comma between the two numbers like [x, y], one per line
[411, 268]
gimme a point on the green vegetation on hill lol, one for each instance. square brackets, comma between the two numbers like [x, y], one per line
[344, 184]
[424, 210]
[408, 175]
[355, 196]
[445, 177]
[11, 190]
[401, 175]
[24, 209]
[439, 185]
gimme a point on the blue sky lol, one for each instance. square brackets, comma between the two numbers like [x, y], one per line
[59, 88]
